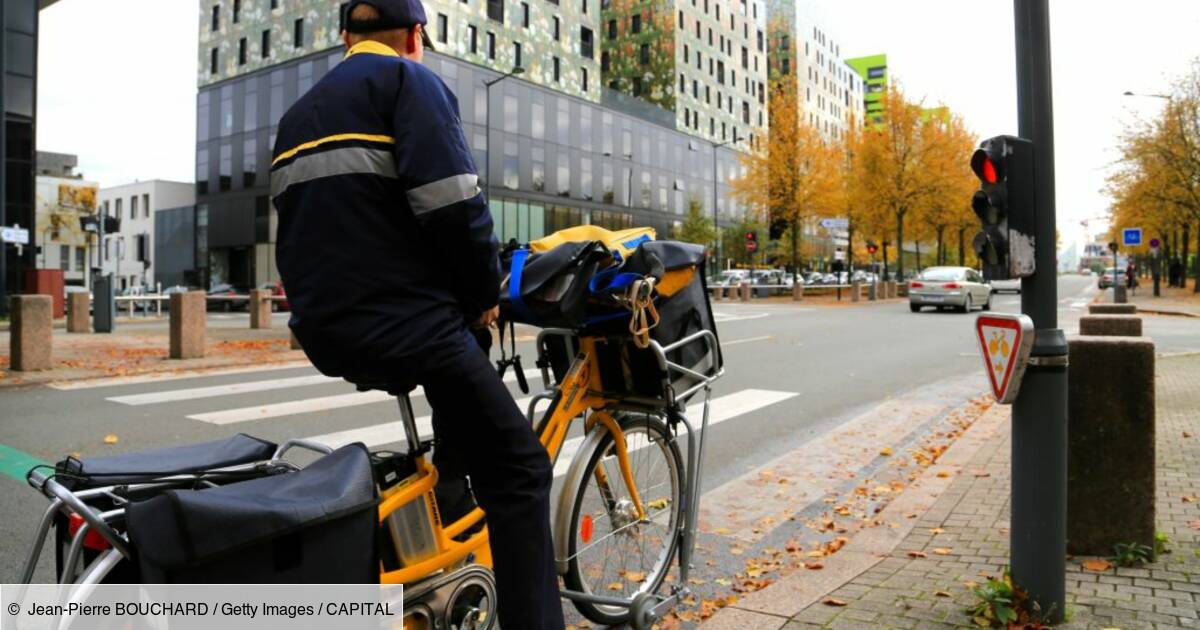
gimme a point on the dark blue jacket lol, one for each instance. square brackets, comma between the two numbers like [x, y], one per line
[385, 244]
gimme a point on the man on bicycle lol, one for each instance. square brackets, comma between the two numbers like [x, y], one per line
[387, 250]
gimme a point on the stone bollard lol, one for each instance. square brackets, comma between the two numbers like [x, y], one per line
[295, 343]
[30, 337]
[718, 293]
[1110, 444]
[798, 292]
[901, 289]
[745, 291]
[892, 290]
[1111, 325]
[260, 309]
[1121, 296]
[188, 319]
[873, 292]
[79, 320]
[855, 291]
[1112, 309]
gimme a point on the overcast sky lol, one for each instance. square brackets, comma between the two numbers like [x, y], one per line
[118, 77]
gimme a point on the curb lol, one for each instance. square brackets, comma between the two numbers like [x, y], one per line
[772, 607]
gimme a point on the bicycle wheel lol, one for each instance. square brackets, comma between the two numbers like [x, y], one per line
[610, 551]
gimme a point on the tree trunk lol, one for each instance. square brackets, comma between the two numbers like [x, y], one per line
[795, 249]
[900, 245]
[962, 252]
[1175, 251]
[849, 249]
[941, 245]
[1187, 231]
[885, 260]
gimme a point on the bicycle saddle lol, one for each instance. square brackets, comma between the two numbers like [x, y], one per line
[393, 385]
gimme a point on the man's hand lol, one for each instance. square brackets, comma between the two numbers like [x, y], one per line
[488, 317]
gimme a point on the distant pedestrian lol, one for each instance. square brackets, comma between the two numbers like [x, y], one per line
[1131, 281]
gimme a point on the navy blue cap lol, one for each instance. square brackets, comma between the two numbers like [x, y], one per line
[392, 14]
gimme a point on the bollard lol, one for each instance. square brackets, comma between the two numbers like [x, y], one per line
[31, 334]
[855, 291]
[1110, 444]
[797, 292]
[718, 293]
[260, 309]
[745, 291]
[1112, 309]
[872, 292]
[1121, 296]
[79, 320]
[892, 291]
[901, 289]
[295, 343]
[188, 318]
[1110, 325]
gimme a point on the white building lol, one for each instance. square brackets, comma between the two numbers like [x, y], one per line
[831, 91]
[129, 253]
[60, 236]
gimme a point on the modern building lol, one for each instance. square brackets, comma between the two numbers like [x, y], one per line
[64, 200]
[18, 114]
[704, 61]
[556, 158]
[128, 254]
[554, 41]
[803, 52]
[873, 70]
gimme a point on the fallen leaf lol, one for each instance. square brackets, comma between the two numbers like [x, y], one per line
[942, 551]
[937, 530]
[829, 601]
[723, 581]
[941, 594]
[736, 551]
[1097, 565]
[887, 452]
[816, 554]
[917, 554]
[1187, 499]
[635, 576]
[111, 438]
[980, 473]
[813, 566]
[697, 581]
[943, 474]
[616, 586]
[1186, 434]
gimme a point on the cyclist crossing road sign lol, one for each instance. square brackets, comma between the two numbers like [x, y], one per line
[1004, 343]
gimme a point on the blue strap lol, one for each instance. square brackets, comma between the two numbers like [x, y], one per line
[514, 286]
[634, 242]
[610, 278]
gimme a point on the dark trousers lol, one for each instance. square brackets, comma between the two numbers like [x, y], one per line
[482, 432]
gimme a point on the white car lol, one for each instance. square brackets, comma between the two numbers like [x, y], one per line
[960, 287]
[1007, 286]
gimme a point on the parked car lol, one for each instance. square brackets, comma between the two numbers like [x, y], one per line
[1111, 276]
[732, 278]
[960, 287]
[1006, 286]
[813, 277]
[223, 297]
[276, 289]
[140, 305]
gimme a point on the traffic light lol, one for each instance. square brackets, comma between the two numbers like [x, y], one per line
[751, 242]
[872, 248]
[1006, 207]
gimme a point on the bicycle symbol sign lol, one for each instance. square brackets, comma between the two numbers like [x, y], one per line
[1004, 343]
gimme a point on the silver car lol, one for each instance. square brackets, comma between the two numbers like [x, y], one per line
[960, 287]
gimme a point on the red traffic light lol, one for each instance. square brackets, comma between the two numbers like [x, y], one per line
[985, 169]
[871, 249]
[751, 236]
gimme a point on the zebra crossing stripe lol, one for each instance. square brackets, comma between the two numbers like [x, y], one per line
[222, 390]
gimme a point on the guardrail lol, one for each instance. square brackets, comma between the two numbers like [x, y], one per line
[133, 303]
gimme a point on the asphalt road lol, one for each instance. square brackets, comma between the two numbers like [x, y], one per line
[792, 373]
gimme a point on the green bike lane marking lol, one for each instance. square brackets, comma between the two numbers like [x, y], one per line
[15, 463]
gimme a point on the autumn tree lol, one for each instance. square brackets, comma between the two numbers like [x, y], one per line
[793, 175]
[945, 208]
[696, 228]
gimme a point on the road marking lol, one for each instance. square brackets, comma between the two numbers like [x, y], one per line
[15, 463]
[115, 381]
[722, 318]
[737, 341]
[386, 433]
[222, 390]
[311, 405]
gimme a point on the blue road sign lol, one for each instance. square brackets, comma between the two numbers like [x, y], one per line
[1131, 237]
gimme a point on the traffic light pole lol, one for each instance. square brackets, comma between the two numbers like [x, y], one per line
[1039, 417]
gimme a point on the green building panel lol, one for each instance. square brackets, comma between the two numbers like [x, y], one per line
[647, 56]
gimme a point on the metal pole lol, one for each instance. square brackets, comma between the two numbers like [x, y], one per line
[487, 148]
[716, 219]
[3, 183]
[1039, 417]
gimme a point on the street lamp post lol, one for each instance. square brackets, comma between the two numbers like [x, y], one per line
[716, 219]
[487, 150]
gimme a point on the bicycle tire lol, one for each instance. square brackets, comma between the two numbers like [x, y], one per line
[658, 443]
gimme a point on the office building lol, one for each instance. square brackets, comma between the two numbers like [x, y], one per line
[63, 201]
[873, 70]
[556, 158]
[703, 61]
[128, 254]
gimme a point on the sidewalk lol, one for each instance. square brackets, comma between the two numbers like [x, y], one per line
[1173, 301]
[921, 576]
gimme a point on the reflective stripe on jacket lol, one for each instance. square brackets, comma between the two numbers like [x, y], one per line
[385, 244]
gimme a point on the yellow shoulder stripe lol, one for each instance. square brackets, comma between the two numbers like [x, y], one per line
[335, 138]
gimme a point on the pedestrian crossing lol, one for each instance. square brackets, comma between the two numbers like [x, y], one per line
[287, 399]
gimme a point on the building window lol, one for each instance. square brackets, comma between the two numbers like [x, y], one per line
[495, 10]
[745, 57]
[681, 20]
[237, 10]
[242, 51]
[274, 4]
[64, 257]
[80, 262]
[298, 33]
[584, 6]
[216, 19]
[266, 43]
[146, 205]
[557, 70]
[491, 45]
[443, 25]
[637, 86]
[635, 24]
[612, 30]
[133, 207]
[604, 61]
[583, 79]
[516, 54]
[585, 42]
[557, 29]
[644, 54]
[525, 14]
[212, 62]
[473, 38]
